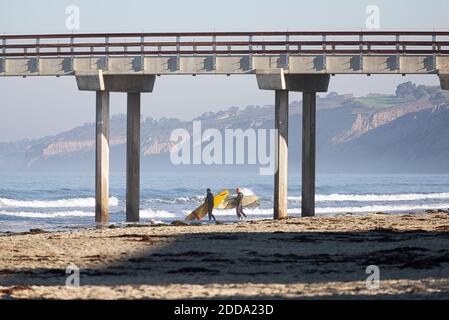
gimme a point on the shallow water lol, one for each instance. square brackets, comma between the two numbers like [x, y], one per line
[59, 200]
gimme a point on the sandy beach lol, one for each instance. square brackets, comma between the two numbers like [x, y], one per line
[320, 257]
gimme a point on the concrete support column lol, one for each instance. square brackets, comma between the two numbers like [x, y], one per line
[281, 175]
[444, 81]
[133, 158]
[102, 158]
[133, 85]
[308, 153]
[309, 84]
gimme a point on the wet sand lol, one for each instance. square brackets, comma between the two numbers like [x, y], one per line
[320, 257]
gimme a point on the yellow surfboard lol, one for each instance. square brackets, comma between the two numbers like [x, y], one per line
[201, 211]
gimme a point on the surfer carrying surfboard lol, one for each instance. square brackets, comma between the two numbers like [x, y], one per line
[210, 204]
[239, 208]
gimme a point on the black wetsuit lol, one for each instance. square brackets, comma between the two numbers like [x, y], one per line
[210, 205]
[239, 208]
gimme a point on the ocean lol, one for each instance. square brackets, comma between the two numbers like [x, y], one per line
[58, 201]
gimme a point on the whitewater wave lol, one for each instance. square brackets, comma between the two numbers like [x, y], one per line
[145, 214]
[45, 215]
[195, 199]
[61, 203]
[179, 200]
[247, 192]
[161, 214]
[377, 197]
[383, 208]
[252, 213]
[361, 209]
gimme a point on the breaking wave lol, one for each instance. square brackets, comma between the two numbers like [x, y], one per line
[247, 192]
[61, 203]
[362, 209]
[383, 208]
[193, 199]
[378, 197]
[180, 200]
[252, 213]
[161, 214]
[46, 215]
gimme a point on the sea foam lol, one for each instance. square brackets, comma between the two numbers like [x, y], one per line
[61, 203]
[377, 197]
[46, 215]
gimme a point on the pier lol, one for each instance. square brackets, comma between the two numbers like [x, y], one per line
[280, 61]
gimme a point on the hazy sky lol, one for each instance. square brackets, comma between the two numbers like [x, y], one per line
[34, 107]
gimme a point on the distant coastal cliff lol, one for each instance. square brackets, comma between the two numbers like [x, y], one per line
[405, 132]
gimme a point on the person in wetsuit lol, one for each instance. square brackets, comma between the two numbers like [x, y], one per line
[210, 204]
[239, 208]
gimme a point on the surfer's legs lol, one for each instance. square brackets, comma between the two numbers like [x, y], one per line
[240, 213]
[211, 216]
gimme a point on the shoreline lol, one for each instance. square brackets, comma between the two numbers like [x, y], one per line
[319, 257]
[177, 222]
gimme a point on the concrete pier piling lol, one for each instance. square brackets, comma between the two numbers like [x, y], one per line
[281, 176]
[308, 154]
[133, 85]
[102, 158]
[309, 84]
[444, 81]
[133, 158]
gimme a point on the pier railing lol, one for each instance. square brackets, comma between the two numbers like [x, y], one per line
[226, 43]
